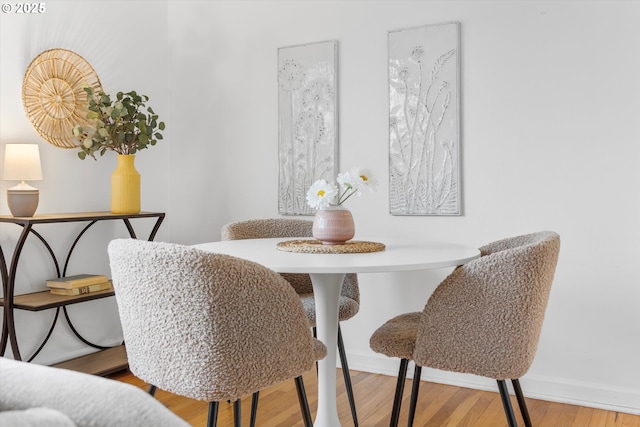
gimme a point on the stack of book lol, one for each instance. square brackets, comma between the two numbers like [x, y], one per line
[79, 284]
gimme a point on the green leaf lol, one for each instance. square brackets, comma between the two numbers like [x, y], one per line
[123, 125]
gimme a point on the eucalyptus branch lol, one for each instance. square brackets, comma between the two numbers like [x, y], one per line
[118, 125]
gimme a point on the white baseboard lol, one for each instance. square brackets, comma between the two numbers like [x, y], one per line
[601, 396]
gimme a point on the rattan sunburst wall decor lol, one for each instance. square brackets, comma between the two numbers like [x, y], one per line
[53, 94]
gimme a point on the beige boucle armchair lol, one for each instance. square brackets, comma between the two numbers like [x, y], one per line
[485, 319]
[209, 326]
[349, 303]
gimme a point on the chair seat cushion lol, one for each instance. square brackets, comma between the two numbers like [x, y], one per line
[347, 308]
[397, 337]
[319, 349]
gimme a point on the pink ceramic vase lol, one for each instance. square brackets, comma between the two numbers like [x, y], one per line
[333, 225]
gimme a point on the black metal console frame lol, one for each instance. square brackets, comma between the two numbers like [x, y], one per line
[8, 275]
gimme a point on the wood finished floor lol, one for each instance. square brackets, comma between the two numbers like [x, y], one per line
[438, 406]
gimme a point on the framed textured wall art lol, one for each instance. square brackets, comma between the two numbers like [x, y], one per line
[307, 115]
[424, 120]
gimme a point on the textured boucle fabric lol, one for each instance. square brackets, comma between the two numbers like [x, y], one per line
[281, 227]
[36, 395]
[35, 417]
[485, 318]
[397, 337]
[347, 308]
[207, 326]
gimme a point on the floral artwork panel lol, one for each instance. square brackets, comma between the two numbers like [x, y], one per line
[424, 120]
[307, 116]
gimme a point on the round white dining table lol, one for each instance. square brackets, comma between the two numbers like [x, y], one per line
[327, 272]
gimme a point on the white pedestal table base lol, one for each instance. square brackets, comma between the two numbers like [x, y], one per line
[326, 291]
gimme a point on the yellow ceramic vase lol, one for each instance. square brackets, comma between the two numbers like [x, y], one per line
[125, 186]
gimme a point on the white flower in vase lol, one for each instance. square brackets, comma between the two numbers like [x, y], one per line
[357, 181]
[321, 194]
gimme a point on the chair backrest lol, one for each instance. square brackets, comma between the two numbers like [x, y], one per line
[207, 326]
[284, 227]
[485, 318]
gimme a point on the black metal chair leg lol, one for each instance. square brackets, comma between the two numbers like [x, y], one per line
[254, 409]
[506, 402]
[212, 420]
[397, 400]
[347, 377]
[304, 404]
[521, 402]
[315, 335]
[152, 389]
[415, 389]
[237, 416]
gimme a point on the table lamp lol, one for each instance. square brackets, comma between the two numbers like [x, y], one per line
[22, 163]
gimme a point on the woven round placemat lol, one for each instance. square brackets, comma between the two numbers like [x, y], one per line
[316, 247]
[53, 94]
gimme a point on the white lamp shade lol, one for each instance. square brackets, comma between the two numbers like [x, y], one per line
[22, 163]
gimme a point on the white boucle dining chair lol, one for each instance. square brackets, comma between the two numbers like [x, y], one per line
[208, 326]
[485, 319]
[349, 303]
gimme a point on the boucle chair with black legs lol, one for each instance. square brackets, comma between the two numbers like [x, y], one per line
[209, 326]
[350, 294]
[484, 319]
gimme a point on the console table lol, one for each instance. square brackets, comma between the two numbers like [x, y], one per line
[109, 359]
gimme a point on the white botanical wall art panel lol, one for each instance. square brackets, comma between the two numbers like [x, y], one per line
[424, 120]
[307, 114]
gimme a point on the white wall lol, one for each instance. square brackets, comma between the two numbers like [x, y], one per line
[124, 57]
[550, 106]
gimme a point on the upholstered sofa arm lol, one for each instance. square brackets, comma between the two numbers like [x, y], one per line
[35, 417]
[36, 395]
